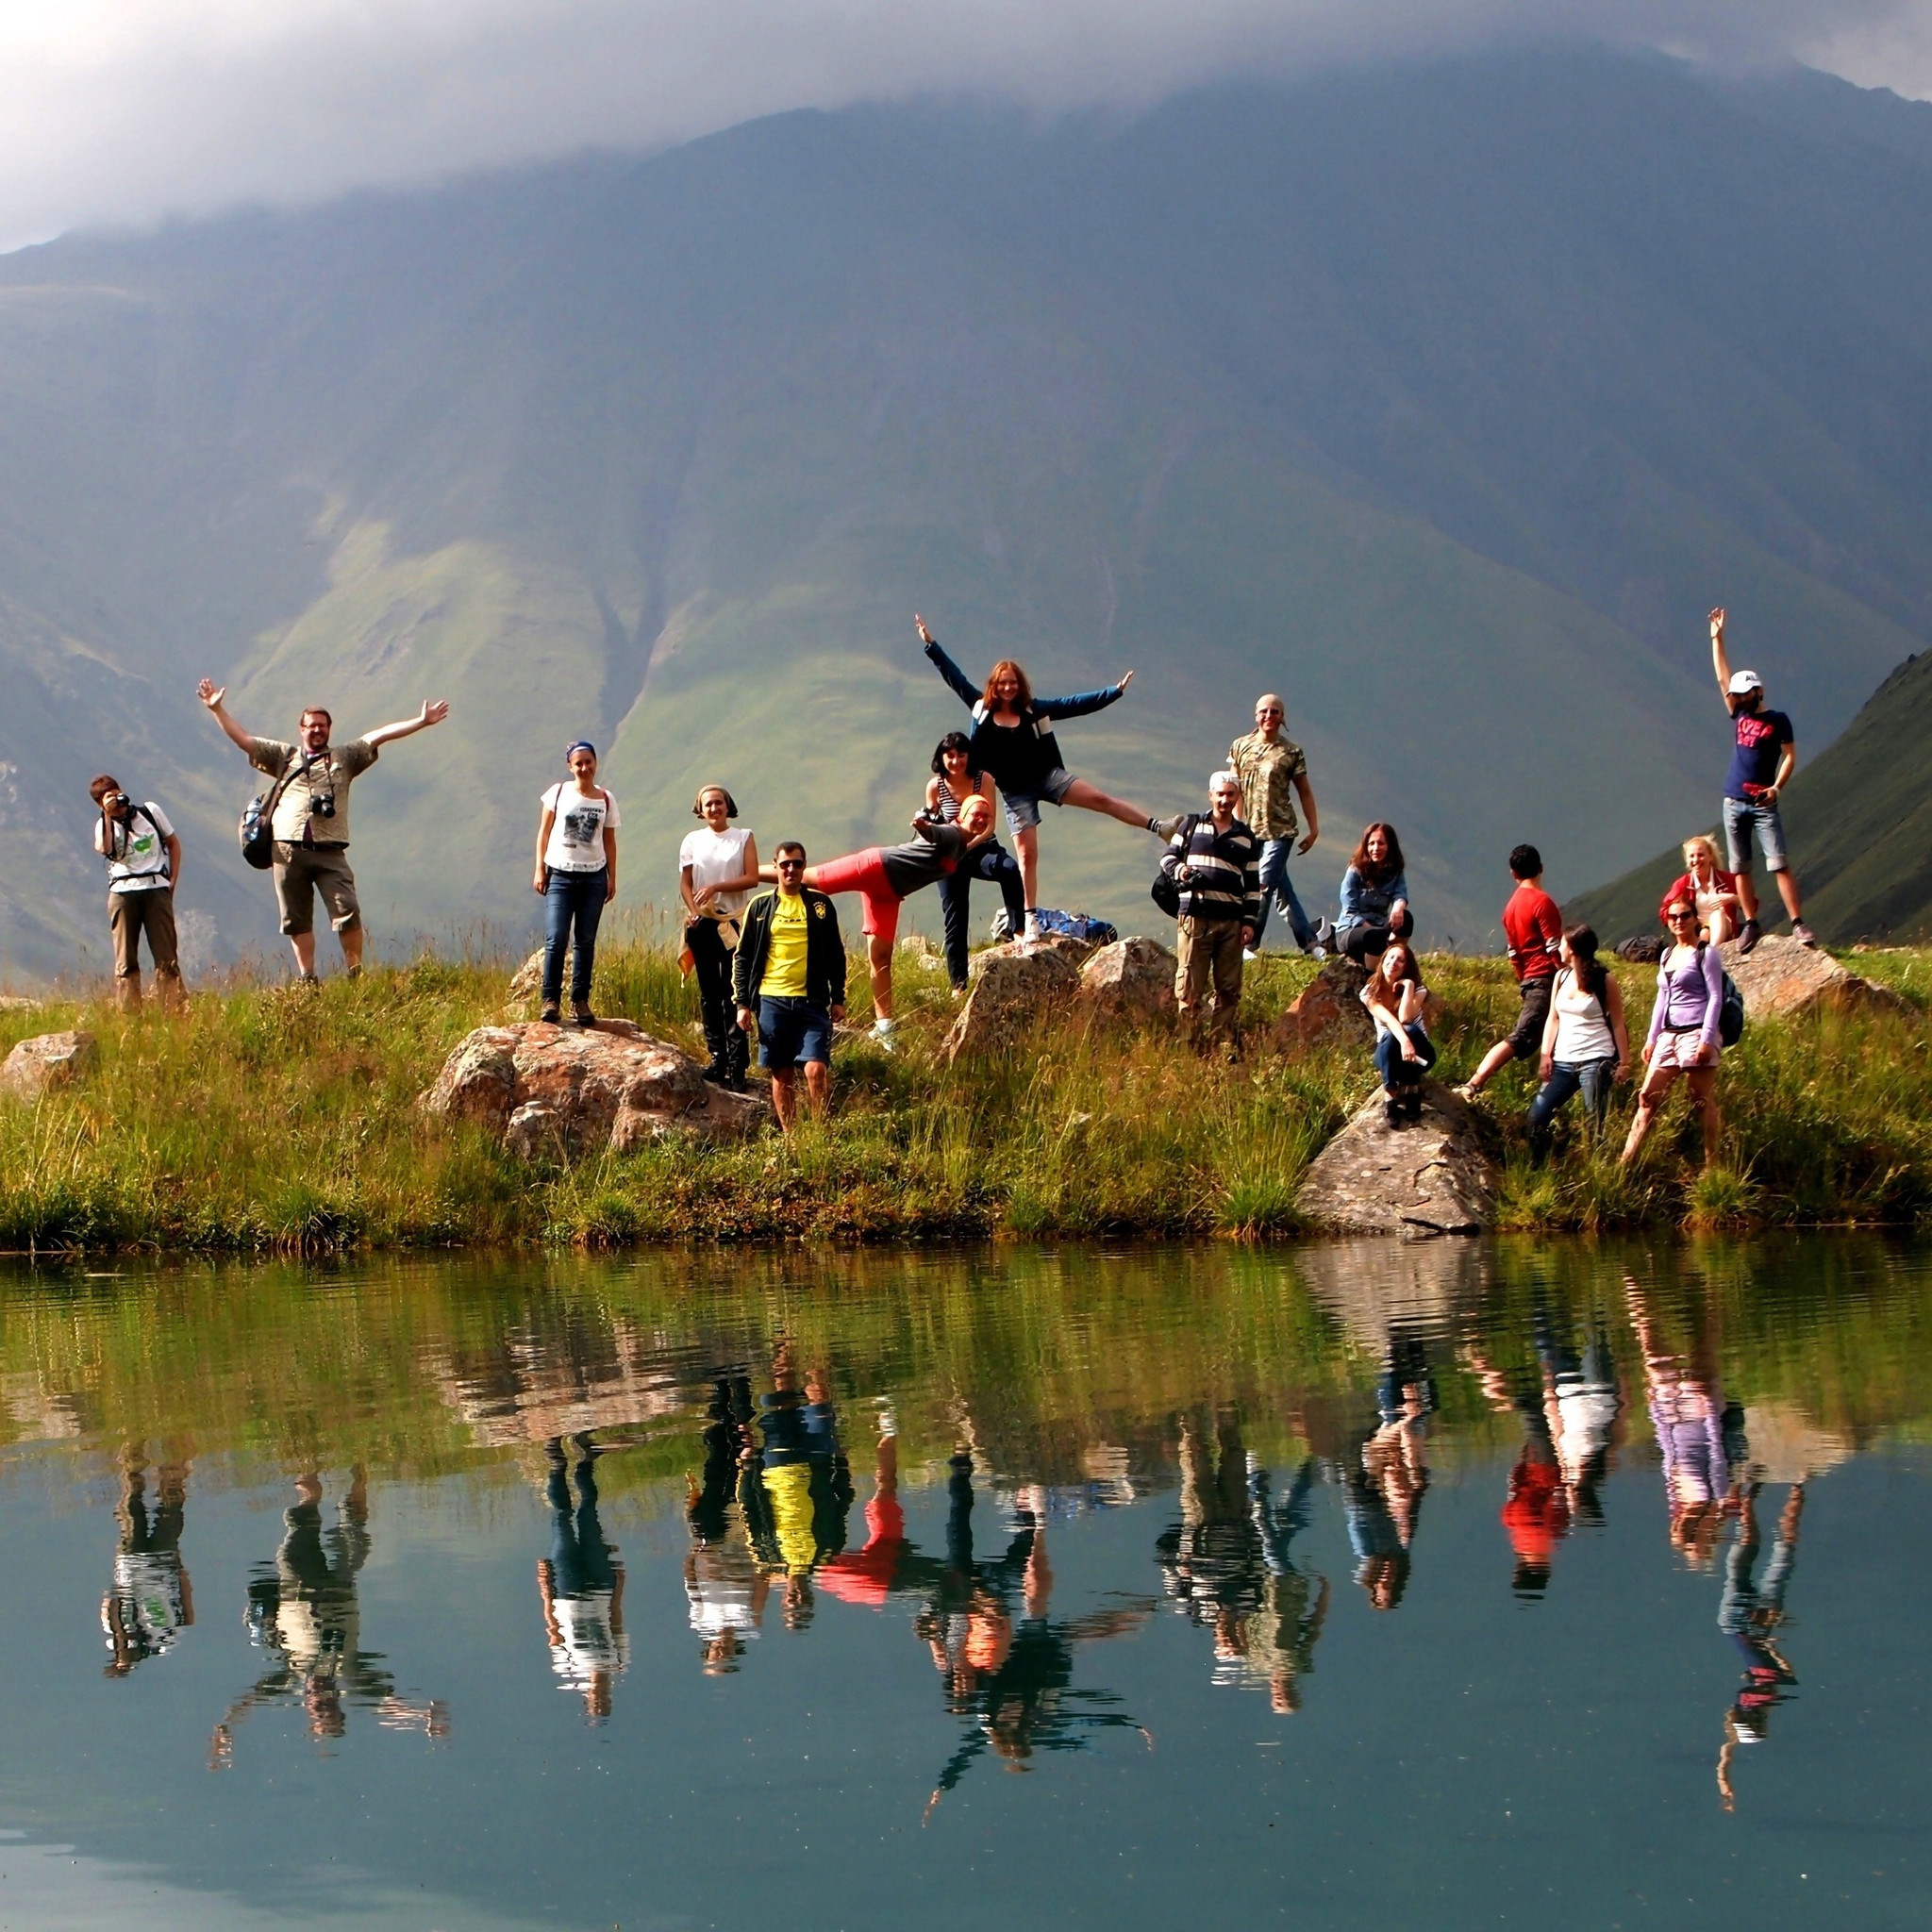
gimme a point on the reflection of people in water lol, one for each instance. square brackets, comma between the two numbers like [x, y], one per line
[1581, 1399]
[152, 1598]
[1013, 1681]
[1383, 1489]
[868, 1575]
[726, 1587]
[1277, 1640]
[1226, 1563]
[1687, 1414]
[581, 1583]
[304, 1610]
[797, 1504]
[1749, 1614]
[1535, 1509]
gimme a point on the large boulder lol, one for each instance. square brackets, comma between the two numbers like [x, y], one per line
[1329, 1011]
[47, 1059]
[570, 1091]
[1780, 978]
[1434, 1176]
[1130, 979]
[1009, 988]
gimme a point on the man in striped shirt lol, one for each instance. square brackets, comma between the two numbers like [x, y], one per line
[1216, 861]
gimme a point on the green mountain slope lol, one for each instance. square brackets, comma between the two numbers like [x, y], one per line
[1445, 399]
[1859, 821]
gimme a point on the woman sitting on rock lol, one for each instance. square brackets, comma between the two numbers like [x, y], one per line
[1397, 1001]
[1684, 1023]
[1374, 899]
[1714, 890]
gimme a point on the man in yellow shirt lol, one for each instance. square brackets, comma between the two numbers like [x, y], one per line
[788, 978]
[1271, 768]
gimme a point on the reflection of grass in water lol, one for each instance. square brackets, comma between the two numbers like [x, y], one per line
[273, 1120]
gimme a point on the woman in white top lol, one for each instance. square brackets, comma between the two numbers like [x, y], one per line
[576, 874]
[717, 870]
[1584, 1045]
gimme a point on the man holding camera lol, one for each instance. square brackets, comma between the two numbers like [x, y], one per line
[310, 821]
[143, 858]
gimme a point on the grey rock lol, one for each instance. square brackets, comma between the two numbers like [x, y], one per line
[1780, 978]
[575, 1089]
[1010, 986]
[1130, 979]
[1434, 1177]
[46, 1059]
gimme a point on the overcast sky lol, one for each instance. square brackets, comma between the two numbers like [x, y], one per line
[122, 111]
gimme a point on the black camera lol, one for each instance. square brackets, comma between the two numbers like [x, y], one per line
[322, 808]
[113, 801]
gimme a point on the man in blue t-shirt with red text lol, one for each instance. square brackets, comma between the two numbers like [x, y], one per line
[1761, 767]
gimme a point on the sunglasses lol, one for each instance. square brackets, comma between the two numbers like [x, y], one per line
[1677, 918]
[791, 865]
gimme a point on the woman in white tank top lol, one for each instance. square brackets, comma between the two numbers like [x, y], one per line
[1584, 1045]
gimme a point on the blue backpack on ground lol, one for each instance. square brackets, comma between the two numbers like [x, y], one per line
[1073, 926]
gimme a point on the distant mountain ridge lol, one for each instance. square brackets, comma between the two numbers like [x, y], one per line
[1443, 397]
[1858, 819]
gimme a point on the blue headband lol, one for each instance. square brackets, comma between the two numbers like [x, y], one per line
[570, 751]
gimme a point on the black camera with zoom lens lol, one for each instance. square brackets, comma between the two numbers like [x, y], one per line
[322, 808]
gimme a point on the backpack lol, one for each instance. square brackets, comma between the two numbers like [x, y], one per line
[257, 830]
[1166, 890]
[1730, 1013]
[1076, 926]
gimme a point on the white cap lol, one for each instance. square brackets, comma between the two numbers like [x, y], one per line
[1742, 681]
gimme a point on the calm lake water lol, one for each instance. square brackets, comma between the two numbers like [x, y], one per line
[1449, 1586]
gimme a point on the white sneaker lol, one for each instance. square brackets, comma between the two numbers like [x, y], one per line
[1031, 935]
[1248, 952]
[1166, 829]
[884, 1029]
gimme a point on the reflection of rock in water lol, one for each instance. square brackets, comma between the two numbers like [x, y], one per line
[533, 1388]
[1786, 1446]
[1374, 1288]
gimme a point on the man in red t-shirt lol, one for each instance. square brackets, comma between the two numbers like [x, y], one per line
[1533, 925]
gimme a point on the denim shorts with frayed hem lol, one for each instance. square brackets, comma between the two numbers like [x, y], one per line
[1744, 822]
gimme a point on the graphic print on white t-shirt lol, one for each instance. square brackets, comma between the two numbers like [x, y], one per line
[138, 858]
[577, 830]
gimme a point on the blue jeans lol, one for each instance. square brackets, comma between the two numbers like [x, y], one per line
[990, 861]
[572, 899]
[1276, 888]
[1592, 1078]
[1745, 821]
[1396, 1072]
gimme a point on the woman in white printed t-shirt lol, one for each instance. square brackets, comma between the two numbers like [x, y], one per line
[717, 870]
[576, 874]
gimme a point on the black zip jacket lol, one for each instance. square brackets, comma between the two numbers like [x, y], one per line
[824, 951]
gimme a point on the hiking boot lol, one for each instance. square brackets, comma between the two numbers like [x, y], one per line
[739, 1084]
[1392, 1113]
[1748, 935]
[581, 1016]
[550, 1016]
[716, 1075]
[1167, 827]
[1803, 933]
[1413, 1101]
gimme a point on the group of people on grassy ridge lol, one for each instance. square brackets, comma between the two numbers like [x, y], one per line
[771, 963]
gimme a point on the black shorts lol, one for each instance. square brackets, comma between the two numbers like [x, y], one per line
[1527, 1038]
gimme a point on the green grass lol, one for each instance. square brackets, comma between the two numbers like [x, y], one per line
[268, 1120]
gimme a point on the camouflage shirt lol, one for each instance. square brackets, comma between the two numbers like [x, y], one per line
[1267, 773]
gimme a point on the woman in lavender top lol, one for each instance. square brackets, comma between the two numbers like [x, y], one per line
[1683, 1028]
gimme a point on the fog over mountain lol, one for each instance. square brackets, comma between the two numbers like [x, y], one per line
[1444, 396]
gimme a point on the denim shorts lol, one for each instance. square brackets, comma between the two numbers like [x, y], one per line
[1744, 820]
[1023, 808]
[791, 1032]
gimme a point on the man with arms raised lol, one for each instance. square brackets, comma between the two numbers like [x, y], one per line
[787, 977]
[311, 818]
[1271, 768]
[1761, 767]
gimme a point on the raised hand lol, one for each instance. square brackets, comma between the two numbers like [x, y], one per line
[434, 712]
[925, 637]
[1717, 624]
[1126, 680]
[211, 693]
